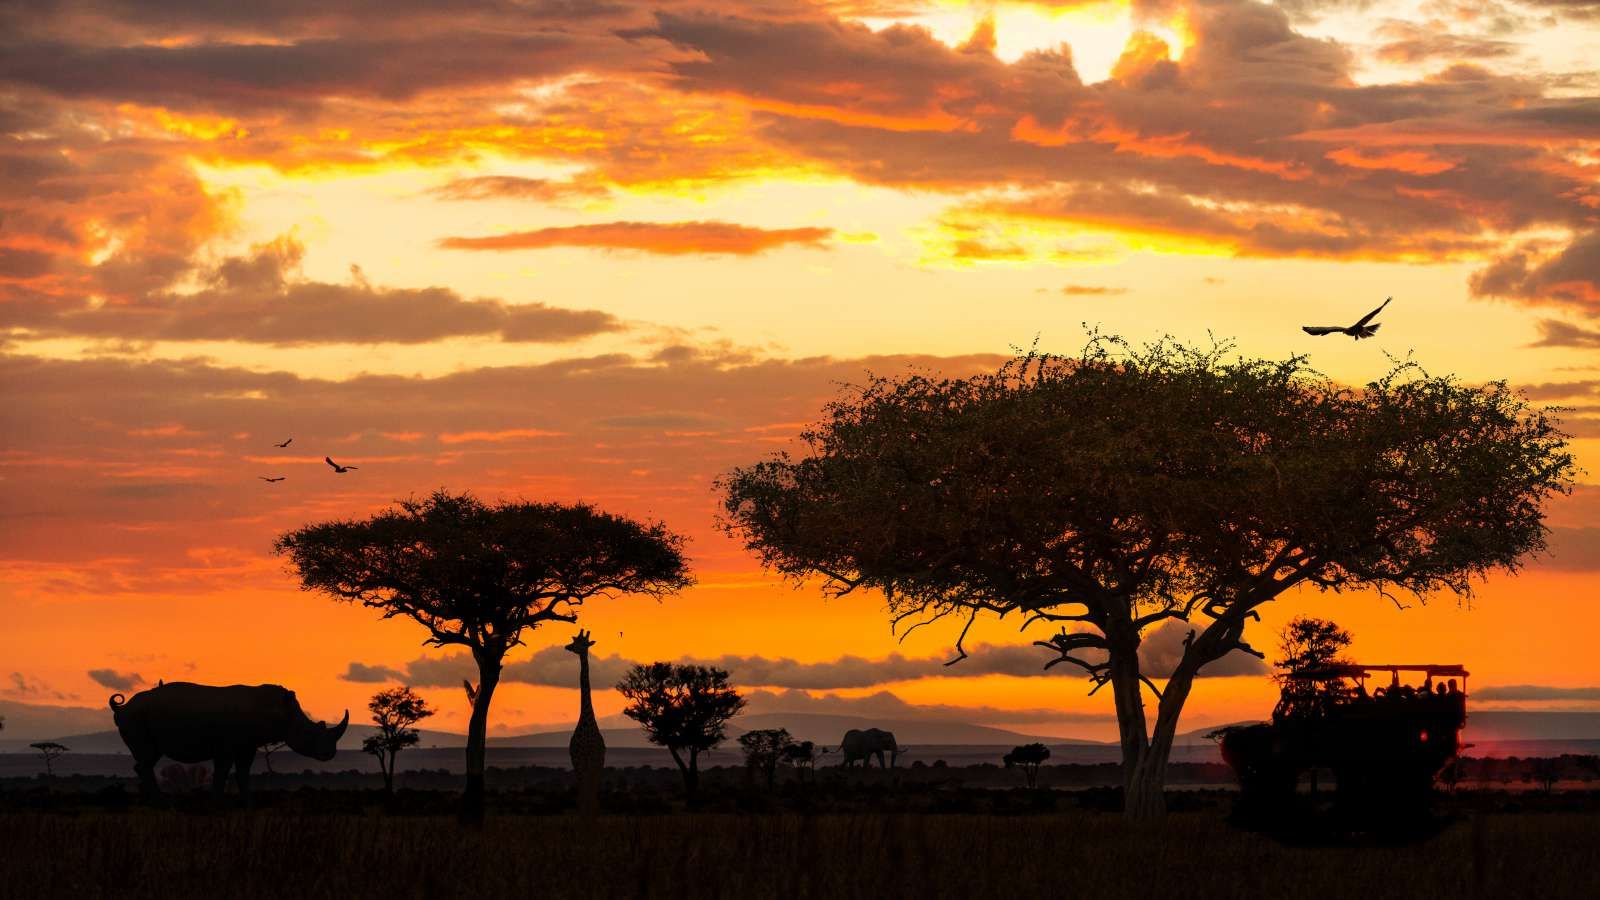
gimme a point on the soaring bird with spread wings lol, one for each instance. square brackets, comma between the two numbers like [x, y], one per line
[1358, 331]
[338, 469]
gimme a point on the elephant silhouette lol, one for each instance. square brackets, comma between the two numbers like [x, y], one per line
[863, 744]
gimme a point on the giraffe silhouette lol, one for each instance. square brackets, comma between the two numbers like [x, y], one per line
[588, 747]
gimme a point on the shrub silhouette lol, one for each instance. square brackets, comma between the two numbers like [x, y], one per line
[394, 711]
[684, 708]
[1028, 757]
[764, 749]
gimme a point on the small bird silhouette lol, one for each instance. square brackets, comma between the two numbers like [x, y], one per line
[338, 469]
[285, 443]
[272, 480]
[1358, 331]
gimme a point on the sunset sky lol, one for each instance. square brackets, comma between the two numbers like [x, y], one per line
[603, 250]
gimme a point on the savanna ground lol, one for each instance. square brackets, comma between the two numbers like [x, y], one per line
[822, 841]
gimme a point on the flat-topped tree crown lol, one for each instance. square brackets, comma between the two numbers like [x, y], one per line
[480, 575]
[1109, 492]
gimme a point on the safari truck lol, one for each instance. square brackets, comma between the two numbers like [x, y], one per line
[1383, 745]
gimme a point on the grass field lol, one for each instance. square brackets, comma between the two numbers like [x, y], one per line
[283, 852]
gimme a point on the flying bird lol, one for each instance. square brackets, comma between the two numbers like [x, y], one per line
[285, 443]
[1358, 331]
[272, 480]
[338, 469]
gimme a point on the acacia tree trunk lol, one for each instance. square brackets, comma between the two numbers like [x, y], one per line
[1146, 778]
[477, 737]
[1142, 786]
[689, 770]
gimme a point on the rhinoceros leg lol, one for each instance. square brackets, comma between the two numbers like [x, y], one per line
[219, 775]
[241, 773]
[146, 770]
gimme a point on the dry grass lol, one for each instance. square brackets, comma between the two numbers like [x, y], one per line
[275, 854]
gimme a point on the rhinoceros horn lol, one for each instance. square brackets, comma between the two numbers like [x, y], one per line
[338, 730]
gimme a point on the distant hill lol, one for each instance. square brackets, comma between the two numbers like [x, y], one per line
[26, 722]
[85, 730]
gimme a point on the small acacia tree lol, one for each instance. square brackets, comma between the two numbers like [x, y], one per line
[802, 756]
[684, 708]
[394, 711]
[1110, 492]
[50, 750]
[1306, 643]
[764, 749]
[1028, 757]
[480, 576]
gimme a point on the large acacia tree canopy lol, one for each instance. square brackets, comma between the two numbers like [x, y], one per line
[478, 574]
[1152, 482]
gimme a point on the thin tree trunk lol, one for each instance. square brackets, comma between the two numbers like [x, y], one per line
[477, 740]
[687, 773]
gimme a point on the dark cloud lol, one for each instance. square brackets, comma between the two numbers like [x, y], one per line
[555, 667]
[1534, 692]
[660, 420]
[260, 299]
[1556, 333]
[117, 681]
[509, 187]
[1091, 290]
[1410, 43]
[1572, 549]
[1569, 276]
[665, 238]
[26, 687]
[235, 77]
[1558, 390]
[361, 673]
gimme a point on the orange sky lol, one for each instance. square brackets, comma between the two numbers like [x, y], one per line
[554, 251]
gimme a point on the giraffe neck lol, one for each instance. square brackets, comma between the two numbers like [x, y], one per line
[586, 707]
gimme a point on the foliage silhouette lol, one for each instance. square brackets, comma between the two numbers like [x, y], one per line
[1028, 757]
[1127, 486]
[267, 750]
[1306, 643]
[394, 711]
[764, 749]
[802, 755]
[480, 576]
[684, 708]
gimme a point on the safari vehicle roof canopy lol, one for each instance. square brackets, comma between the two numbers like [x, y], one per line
[1361, 670]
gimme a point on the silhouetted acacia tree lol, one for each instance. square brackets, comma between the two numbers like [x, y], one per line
[267, 750]
[1028, 757]
[1306, 643]
[684, 708]
[764, 748]
[394, 711]
[480, 575]
[802, 755]
[1127, 486]
[50, 750]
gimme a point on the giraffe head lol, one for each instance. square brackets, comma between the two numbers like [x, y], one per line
[580, 643]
